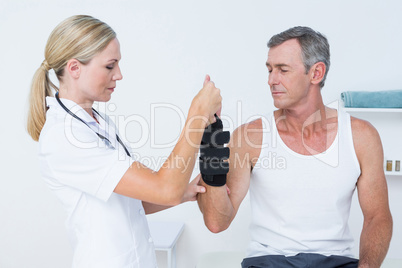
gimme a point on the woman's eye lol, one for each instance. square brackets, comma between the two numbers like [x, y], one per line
[109, 67]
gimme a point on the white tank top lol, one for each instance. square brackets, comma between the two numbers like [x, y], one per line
[301, 203]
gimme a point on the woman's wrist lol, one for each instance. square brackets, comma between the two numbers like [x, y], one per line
[198, 113]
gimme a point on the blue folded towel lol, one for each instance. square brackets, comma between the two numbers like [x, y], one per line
[373, 99]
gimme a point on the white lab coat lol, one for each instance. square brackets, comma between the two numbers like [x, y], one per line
[106, 229]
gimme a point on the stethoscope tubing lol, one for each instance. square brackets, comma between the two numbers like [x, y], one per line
[79, 119]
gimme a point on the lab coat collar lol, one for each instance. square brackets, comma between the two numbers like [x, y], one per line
[102, 128]
[51, 102]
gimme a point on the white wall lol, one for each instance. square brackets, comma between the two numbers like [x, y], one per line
[167, 48]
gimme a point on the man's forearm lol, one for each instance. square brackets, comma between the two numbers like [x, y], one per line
[374, 241]
[216, 207]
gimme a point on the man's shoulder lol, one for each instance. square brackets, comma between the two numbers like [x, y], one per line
[362, 128]
[250, 129]
[255, 124]
[248, 137]
[365, 136]
[260, 122]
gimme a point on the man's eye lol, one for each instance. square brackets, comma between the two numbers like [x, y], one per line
[283, 71]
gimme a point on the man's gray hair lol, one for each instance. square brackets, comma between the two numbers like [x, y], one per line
[314, 46]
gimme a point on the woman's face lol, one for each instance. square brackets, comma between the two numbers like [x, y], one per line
[97, 79]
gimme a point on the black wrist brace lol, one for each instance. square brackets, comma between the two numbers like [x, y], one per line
[213, 154]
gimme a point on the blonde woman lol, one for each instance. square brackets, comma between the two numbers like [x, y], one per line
[105, 192]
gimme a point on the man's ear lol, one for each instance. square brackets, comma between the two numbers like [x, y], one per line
[317, 72]
[73, 68]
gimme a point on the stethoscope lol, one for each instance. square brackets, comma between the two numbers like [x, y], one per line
[99, 135]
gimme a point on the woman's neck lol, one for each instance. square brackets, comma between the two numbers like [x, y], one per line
[85, 104]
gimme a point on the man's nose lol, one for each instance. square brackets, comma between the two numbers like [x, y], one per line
[272, 78]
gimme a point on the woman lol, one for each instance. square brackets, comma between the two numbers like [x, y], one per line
[87, 165]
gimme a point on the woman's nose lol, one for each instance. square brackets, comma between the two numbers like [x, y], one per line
[118, 75]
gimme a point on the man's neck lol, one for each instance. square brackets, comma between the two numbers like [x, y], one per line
[311, 115]
[307, 133]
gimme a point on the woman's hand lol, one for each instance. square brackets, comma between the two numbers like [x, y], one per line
[208, 101]
[193, 188]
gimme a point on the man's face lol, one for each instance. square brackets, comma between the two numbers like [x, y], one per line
[287, 78]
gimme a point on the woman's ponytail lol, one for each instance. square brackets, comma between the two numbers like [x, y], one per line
[40, 89]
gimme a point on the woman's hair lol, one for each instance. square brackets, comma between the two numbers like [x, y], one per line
[314, 46]
[79, 37]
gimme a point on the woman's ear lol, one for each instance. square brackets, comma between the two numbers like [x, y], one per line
[318, 72]
[73, 68]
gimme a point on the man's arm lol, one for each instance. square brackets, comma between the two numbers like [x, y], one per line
[372, 194]
[217, 205]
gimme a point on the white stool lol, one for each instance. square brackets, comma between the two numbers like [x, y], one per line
[221, 259]
[165, 236]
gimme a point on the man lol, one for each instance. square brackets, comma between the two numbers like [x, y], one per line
[301, 165]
